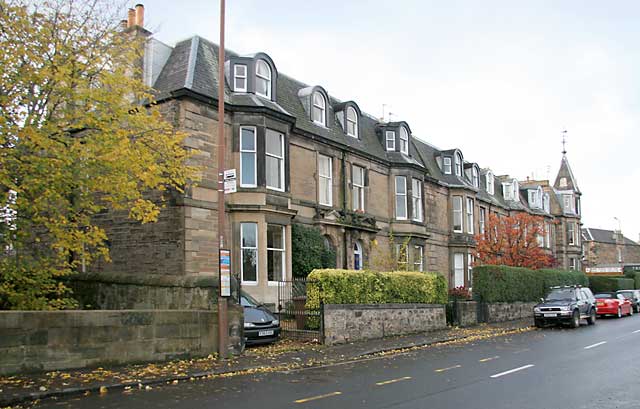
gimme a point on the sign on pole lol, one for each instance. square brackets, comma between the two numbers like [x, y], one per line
[225, 273]
[230, 185]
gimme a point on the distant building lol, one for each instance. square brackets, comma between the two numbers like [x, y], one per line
[605, 248]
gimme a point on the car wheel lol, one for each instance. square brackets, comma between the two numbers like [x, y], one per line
[630, 311]
[591, 319]
[619, 315]
[575, 319]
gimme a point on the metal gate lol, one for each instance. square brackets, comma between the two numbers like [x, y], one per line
[297, 319]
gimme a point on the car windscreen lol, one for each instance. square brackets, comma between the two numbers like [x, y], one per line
[248, 301]
[626, 294]
[559, 295]
[605, 295]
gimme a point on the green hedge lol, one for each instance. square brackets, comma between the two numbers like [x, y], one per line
[511, 284]
[333, 286]
[309, 250]
[604, 284]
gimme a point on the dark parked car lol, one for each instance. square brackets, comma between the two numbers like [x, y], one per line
[633, 296]
[566, 305]
[260, 325]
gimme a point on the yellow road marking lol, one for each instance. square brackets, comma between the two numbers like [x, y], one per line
[446, 369]
[404, 378]
[489, 359]
[327, 395]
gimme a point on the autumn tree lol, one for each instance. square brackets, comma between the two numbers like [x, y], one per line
[79, 135]
[513, 241]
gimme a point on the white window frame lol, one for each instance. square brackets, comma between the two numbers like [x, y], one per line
[470, 269]
[418, 258]
[470, 211]
[619, 255]
[390, 136]
[507, 191]
[458, 269]
[357, 251]
[475, 177]
[320, 107]
[353, 121]
[568, 203]
[281, 162]
[242, 248]
[533, 199]
[357, 190]
[328, 179]
[458, 164]
[282, 250]
[266, 78]
[253, 153]
[237, 76]
[547, 230]
[545, 202]
[402, 196]
[571, 234]
[404, 140]
[403, 264]
[457, 214]
[573, 265]
[490, 183]
[446, 165]
[482, 219]
[416, 195]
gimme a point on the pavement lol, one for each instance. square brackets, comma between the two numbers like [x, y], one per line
[42, 389]
[589, 367]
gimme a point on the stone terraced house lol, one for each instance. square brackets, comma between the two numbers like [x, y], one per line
[302, 156]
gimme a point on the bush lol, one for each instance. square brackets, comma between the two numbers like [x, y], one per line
[309, 251]
[510, 284]
[332, 286]
[605, 284]
[459, 293]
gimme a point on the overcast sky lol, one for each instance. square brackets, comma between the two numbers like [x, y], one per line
[500, 80]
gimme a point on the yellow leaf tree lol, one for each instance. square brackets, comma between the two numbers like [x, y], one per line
[79, 134]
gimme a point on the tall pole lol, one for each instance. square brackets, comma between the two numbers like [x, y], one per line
[223, 332]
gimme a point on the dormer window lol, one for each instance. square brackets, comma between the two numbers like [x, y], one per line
[545, 202]
[507, 191]
[352, 122]
[319, 109]
[404, 141]
[490, 183]
[240, 78]
[447, 165]
[475, 179]
[533, 199]
[458, 164]
[390, 137]
[263, 79]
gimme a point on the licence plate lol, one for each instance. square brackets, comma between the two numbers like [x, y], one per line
[550, 314]
[600, 304]
[265, 333]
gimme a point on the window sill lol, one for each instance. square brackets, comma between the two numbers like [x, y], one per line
[249, 283]
[275, 284]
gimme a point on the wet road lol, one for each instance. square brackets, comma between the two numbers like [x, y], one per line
[590, 367]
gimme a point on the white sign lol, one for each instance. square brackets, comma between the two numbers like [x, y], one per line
[601, 270]
[230, 186]
[229, 174]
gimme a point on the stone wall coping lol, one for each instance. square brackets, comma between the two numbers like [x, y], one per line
[380, 306]
[105, 312]
[154, 280]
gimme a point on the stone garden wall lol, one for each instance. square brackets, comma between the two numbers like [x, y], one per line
[55, 340]
[356, 322]
[499, 312]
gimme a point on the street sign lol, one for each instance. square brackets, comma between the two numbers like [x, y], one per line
[225, 273]
[230, 184]
[229, 174]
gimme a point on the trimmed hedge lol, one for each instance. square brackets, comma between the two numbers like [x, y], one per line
[510, 284]
[334, 286]
[605, 284]
[636, 279]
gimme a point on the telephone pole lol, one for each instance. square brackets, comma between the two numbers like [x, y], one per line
[223, 318]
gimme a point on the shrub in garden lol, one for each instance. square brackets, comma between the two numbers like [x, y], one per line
[511, 284]
[605, 284]
[309, 250]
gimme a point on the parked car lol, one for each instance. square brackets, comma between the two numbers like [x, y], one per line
[260, 325]
[566, 305]
[611, 303]
[633, 296]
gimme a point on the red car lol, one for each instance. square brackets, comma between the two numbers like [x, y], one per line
[613, 304]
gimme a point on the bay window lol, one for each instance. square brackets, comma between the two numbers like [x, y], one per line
[275, 253]
[416, 195]
[357, 182]
[401, 198]
[469, 216]
[457, 214]
[274, 160]
[325, 178]
[249, 253]
[248, 177]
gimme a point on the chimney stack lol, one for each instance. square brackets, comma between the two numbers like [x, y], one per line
[140, 15]
[131, 18]
[124, 24]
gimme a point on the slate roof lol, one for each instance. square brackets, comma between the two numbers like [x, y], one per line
[193, 65]
[603, 236]
[565, 172]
